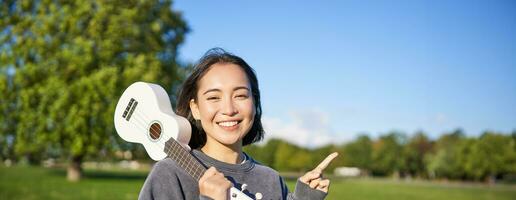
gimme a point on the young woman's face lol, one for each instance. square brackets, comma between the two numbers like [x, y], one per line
[224, 104]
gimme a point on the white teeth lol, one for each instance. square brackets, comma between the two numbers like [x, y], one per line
[228, 124]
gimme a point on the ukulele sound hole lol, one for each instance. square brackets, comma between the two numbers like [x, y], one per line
[155, 131]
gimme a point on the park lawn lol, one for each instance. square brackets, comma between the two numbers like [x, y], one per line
[43, 183]
[358, 189]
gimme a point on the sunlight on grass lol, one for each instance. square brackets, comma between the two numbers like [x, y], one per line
[43, 183]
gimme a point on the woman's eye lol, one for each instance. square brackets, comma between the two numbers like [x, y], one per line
[242, 96]
[212, 98]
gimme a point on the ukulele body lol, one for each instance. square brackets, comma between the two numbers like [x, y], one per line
[144, 115]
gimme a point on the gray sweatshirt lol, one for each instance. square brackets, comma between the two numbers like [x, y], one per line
[167, 181]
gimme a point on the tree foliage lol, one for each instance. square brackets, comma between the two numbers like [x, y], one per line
[414, 153]
[386, 154]
[446, 161]
[489, 157]
[359, 152]
[65, 63]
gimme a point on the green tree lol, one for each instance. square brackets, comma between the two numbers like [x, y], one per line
[283, 155]
[445, 161]
[414, 153]
[264, 153]
[387, 153]
[290, 157]
[7, 119]
[72, 59]
[359, 152]
[300, 161]
[511, 166]
[490, 156]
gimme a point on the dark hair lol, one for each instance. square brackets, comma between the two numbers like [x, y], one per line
[189, 89]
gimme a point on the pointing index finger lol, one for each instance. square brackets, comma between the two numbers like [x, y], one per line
[326, 162]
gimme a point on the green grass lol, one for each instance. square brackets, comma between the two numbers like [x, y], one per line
[42, 183]
[400, 190]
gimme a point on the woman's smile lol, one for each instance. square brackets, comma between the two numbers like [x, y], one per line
[229, 125]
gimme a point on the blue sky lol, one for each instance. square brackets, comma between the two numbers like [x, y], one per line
[329, 70]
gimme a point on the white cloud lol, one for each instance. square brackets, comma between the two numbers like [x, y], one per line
[308, 128]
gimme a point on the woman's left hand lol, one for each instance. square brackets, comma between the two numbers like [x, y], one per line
[314, 178]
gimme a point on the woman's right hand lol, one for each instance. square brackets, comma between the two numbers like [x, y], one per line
[213, 184]
[314, 178]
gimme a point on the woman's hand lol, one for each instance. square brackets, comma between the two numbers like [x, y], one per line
[213, 184]
[314, 178]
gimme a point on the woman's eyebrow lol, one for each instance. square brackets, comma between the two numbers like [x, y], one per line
[240, 88]
[211, 90]
[219, 90]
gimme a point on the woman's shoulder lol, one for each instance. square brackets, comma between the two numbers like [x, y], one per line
[167, 162]
[167, 181]
[165, 167]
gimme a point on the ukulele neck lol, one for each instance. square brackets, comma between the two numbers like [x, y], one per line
[184, 159]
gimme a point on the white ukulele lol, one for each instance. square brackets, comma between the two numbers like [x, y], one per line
[143, 115]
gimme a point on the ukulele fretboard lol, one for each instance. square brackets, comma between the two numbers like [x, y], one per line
[184, 159]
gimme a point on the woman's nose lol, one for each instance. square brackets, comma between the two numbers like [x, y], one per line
[228, 108]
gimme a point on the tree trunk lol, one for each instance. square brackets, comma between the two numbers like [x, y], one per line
[491, 179]
[74, 171]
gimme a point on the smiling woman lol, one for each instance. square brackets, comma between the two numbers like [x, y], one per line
[225, 108]
[221, 99]
[237, 79]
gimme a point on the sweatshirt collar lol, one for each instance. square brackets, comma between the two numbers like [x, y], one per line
[247, 165]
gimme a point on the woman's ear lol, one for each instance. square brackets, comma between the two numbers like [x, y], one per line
[195, 109]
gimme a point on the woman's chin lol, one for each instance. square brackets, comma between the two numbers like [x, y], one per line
[230, 141]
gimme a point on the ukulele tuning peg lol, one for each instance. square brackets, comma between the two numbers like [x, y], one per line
[258, 196]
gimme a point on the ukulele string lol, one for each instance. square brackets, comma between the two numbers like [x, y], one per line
[141, 120]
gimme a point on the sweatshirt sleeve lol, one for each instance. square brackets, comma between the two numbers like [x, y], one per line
[161, 183]
[302, 192]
